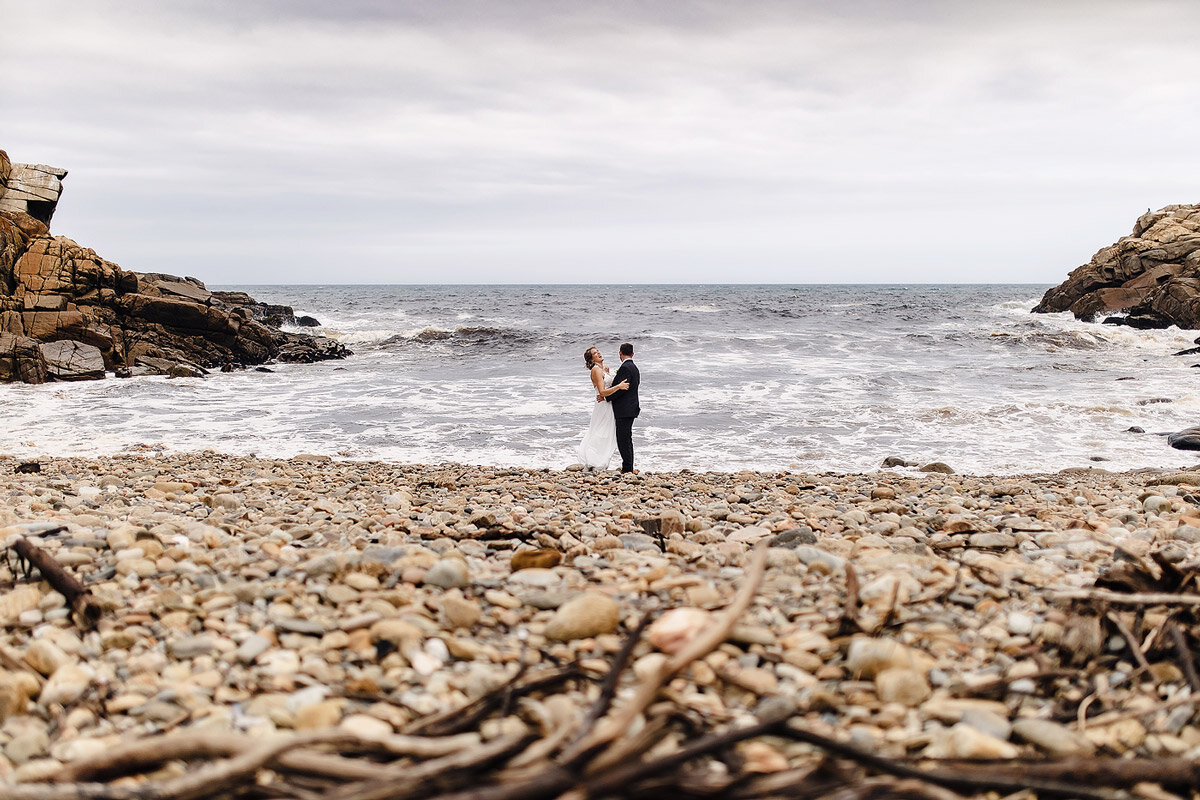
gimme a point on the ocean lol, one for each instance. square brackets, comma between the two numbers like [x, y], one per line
[772, 378]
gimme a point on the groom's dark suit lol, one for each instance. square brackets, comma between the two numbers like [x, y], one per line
[625, 410]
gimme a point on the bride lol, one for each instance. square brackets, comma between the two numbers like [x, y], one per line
[600, 441]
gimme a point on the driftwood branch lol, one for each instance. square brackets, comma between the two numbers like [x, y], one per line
[79, 598]
[1127, 598]
[974, 778]
[211, 780]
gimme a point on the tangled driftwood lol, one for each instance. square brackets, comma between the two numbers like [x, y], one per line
[615, 749]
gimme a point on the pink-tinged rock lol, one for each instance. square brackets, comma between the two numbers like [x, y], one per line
[676, 628]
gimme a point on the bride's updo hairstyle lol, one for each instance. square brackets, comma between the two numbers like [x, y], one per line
[587, 357]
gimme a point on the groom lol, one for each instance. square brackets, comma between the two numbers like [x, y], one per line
[625, 406]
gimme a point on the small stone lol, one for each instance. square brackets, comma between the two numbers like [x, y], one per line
[280, 663]
[1156, 504]
[254, 646]
[640, 542]
[16, 600]
[361, 581]
[649, 666]
[752, 634]
[868, 656]
[752, 679]
[305, 627]
[589, 614]
[66, 685]
[12, 701]
[676, 628]
[27, 746]
[988, 722]
[460, 612]
[45, 656]
[191, 646]
[124, 702]
[1020, 624]
[535, 576]
[1053, 738]
[122, 538]
[671, 522]
[324, 714]
[541, 559]
[990, 539]
[448, 573]
[964, 741]
[1187, 533]
[901, 685]
[793, 537]
[750, 535]
[366, 727]
[759, 756]
[396, 632]
[339, 594]
[820, 561]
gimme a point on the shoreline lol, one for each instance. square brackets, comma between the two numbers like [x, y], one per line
[150, 452]
[270, 596]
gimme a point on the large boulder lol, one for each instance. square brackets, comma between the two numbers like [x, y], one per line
[1152, 274]
[1186, 439]
[68, 360]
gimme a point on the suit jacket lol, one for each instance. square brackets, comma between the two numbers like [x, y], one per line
[625, 402]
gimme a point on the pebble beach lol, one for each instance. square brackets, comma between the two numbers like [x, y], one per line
[266, 597]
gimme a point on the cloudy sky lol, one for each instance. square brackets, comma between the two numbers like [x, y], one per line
[800, 141]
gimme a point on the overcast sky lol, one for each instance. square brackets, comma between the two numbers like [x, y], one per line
[604, 142]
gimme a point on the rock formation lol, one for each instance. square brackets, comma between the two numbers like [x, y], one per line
[67, 314]
[1153, 275]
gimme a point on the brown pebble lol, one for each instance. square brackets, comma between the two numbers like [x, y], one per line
[544, 559]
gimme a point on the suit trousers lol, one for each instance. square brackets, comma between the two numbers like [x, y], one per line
[625, 442]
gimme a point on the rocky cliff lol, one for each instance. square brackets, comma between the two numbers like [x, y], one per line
[68, 314]
[1152, 274]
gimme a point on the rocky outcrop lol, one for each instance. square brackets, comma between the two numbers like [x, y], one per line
[1153, 275]
[31, 189]
[68, 314]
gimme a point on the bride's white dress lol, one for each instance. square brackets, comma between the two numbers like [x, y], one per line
[600, 442]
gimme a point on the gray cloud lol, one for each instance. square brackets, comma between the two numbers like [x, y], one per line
[669, 141]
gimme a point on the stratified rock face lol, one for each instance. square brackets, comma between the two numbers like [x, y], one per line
[31, 189]
[1153, 274]
[68, 314]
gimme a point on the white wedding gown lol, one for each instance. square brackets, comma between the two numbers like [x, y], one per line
[600, 442]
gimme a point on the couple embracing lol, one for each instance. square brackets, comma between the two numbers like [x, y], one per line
[613, 414]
